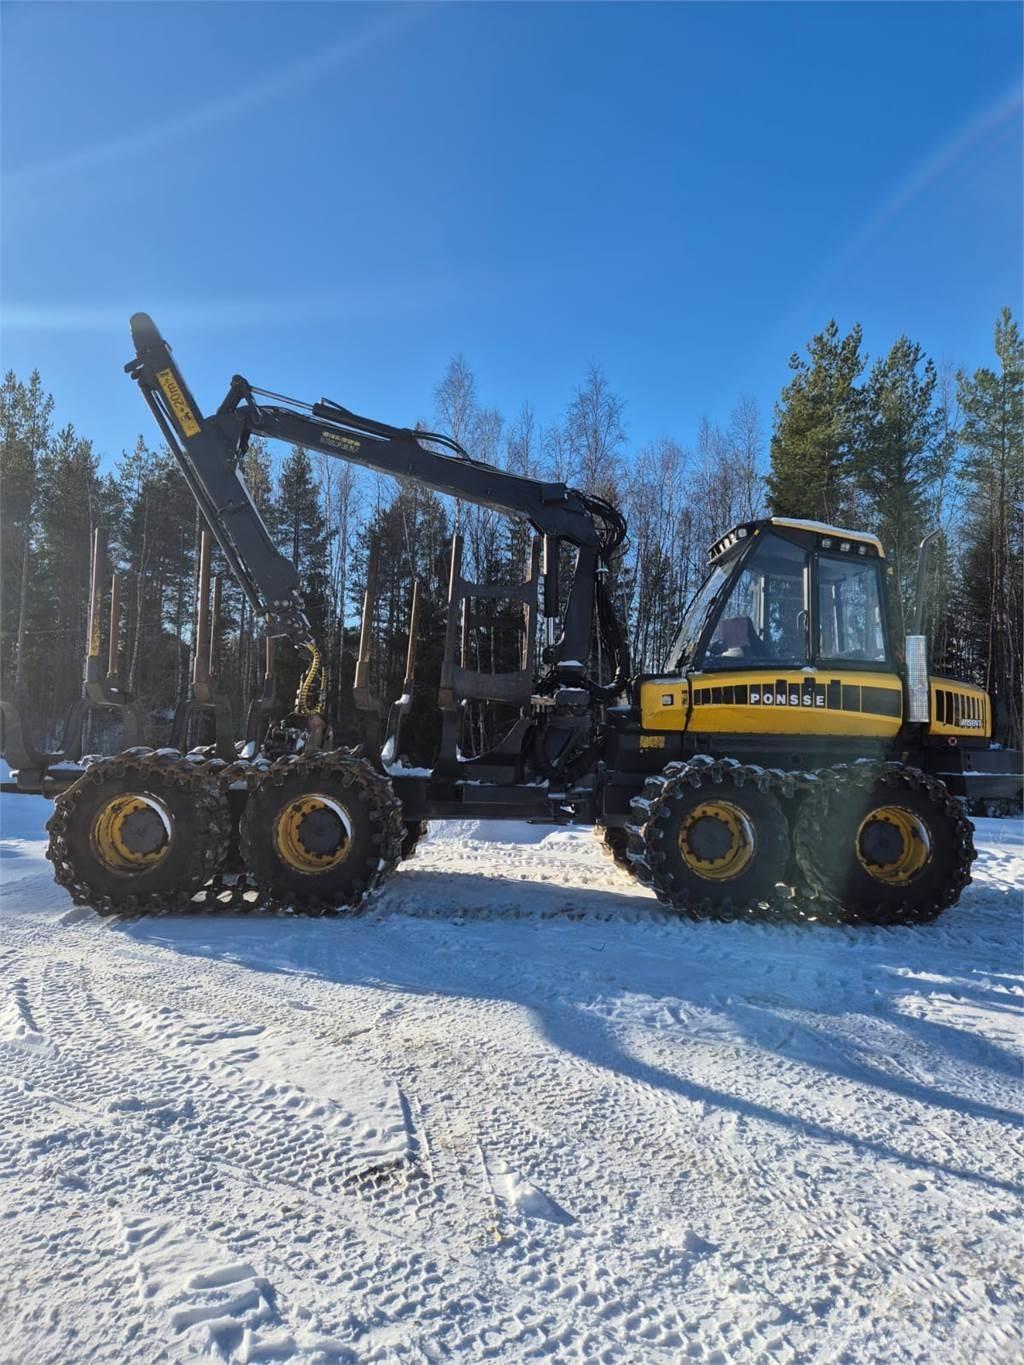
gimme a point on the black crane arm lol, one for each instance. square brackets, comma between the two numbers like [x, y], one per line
[209, 450]
[208, 458]
[552, 508]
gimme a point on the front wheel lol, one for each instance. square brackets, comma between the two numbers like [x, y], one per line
[884, 844]
[708, 840]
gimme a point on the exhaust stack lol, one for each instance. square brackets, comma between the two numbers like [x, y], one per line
[916, 645]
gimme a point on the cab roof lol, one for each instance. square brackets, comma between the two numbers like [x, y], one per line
[833, 532]
[820, 536]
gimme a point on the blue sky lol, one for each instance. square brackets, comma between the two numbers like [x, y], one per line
[337, 198]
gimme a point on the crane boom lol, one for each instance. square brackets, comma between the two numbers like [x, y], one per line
[209, 451]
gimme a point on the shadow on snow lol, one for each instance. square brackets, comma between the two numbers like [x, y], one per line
[780, 988]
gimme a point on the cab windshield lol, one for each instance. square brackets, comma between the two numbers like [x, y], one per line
[765, 616]
[694, 619]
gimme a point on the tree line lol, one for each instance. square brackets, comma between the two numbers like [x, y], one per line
[896, 445]
[900, 447]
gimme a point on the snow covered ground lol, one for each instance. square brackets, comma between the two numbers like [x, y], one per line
[510, 1112]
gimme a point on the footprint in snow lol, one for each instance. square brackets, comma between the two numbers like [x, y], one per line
[219, 1306]
[523, 1195]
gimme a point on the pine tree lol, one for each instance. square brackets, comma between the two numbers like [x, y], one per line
[945, 608]
[414, 532]
[898, 459]
[993, 437]
[301, 531]
[25, 416]
[817, 423]
[338, 490]
[73, 501]
[302, 534]
[157, 536]
[243, 656]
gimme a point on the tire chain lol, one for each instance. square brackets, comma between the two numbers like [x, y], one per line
[654, 805]
[225, 892]
[387, 813]
[849, 777]
[172, 766]
[804, 905]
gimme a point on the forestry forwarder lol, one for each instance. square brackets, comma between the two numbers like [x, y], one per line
[784, 763]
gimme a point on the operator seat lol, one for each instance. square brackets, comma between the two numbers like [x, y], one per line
[739, 639]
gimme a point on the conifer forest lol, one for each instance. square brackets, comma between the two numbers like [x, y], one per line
[891, 443]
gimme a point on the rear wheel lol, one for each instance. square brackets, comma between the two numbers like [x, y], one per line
[320, 832]
[883, 843]
[143, 830]
[708, 841]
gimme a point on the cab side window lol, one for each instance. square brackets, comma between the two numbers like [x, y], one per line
[849, 611]
[765, 616]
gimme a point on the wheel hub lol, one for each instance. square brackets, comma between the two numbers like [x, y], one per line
[710, 838]
[132, 833]
[321, 832]
[717, 840]
[313, 833]
[893, 844]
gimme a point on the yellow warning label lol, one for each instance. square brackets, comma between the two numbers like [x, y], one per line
[185, 415]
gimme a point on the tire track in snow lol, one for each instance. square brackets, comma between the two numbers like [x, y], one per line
[702, 1231]
[277, 1132]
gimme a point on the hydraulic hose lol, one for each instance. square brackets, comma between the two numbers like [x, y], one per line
[612, 535]
[307, 681]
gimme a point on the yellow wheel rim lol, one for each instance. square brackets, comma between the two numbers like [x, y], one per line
[312, 833]
[717, 841]
[132, 833]
[893, 844]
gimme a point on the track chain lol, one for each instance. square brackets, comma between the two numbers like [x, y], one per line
[817, 786]
[385, 813]
[226, 892]
[233, 892]
[174, 768]
[653, 805]
[866, 773]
